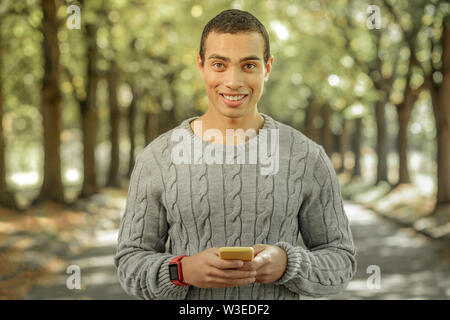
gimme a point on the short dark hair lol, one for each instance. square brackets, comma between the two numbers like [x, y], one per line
[235, 21]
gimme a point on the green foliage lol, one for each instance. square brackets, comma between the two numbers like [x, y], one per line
[323, 53]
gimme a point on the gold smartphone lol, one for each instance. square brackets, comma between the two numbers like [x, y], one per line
[236, 253]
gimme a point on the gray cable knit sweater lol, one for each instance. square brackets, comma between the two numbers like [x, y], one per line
[198, 205]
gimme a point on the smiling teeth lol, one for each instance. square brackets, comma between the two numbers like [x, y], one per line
[234, 98]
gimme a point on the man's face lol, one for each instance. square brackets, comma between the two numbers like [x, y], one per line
[234, 66]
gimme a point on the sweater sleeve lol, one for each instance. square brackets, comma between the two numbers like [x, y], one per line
[141, 260]
[329, 263]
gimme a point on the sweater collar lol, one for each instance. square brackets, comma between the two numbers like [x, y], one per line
[268, 124]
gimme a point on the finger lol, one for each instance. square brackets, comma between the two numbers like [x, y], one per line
[232, 274]
[225, 283]
[261, 259]
[214, 250]
[249, 266]
[226, 264]
[257, 263]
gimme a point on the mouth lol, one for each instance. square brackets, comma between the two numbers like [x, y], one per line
[233, 100]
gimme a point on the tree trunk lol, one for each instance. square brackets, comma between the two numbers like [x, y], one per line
[308, 121]
[326, 134]
[167, 120]
[404, 113]
[356, 147]
[441, 109]
[52, 188]
[151, 127]
[404, 110]
[381, 147]
[113, 177]
[343, 142]
[132, 130]
[310, 130]
[381, 84]
[6, 198]
[89, 115]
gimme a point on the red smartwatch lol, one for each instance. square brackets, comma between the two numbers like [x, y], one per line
[175, 272]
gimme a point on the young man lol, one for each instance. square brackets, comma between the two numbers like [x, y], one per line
[203, 205]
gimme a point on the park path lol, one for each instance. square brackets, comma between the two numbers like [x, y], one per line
[411, 266]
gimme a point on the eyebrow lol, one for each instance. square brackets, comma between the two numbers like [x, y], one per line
[216, 56]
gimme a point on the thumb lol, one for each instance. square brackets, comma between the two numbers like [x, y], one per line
[258, 248]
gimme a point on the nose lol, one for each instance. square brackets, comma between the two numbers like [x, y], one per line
[233, 78]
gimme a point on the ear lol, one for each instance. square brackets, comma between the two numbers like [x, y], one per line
[268, 69]
[199, 65]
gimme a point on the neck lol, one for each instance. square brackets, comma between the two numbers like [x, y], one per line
[215, 120]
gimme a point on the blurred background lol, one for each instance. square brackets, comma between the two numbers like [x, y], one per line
[85, 86]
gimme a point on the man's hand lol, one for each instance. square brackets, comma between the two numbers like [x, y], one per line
[206, 270]
[270, 263]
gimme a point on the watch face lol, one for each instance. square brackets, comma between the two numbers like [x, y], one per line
[173, 272]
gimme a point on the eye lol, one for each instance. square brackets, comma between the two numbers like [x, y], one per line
[214, 64]
[251, 64]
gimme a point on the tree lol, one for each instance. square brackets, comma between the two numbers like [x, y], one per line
[87, 103]
[326, 133]
[371, 62]
[52, 188]
[410, 93]
[439, 89]
[356, 147]
[112, 78]
[132, 112]
[343, 143]
[6, 197]
[404, 110]
[88, 111]
[383, 85]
